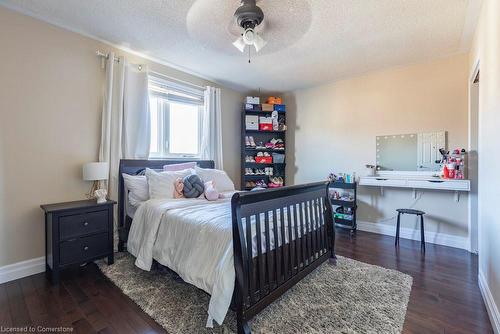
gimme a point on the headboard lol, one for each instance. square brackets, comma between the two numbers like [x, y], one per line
[133, 167]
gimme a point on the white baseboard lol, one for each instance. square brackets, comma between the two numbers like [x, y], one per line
[414, 234]
[491, 307]
[22, 269]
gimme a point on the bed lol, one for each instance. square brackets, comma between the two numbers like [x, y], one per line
[245, 250]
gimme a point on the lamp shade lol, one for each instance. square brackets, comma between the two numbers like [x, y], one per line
[95, 171]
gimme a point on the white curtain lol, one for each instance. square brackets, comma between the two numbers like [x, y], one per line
[136, 121]
[125, 131]
[212, 127]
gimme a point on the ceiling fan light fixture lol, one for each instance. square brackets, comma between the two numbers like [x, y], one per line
[240, 44]
[248, 16]
[259, 42]
[249, 36]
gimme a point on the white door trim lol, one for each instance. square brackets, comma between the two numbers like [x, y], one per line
[473, 244]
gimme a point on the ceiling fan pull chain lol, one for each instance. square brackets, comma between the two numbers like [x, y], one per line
[249, 48]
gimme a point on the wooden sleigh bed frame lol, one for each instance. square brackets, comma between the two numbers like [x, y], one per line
[263, 277]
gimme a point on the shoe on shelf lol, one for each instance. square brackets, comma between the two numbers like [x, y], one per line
[275, 182]
[260, 146]
[247, 141]
[266, 154]
[261, 184]
[251, 141]
[260, 154]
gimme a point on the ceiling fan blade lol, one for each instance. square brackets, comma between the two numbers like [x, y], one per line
[239, 44]
[259, 42]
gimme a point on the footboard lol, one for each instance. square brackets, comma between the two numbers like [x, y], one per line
[279, 236]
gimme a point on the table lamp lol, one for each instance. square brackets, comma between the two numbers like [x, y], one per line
[97, 172]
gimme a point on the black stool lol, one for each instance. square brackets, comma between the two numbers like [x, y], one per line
[411, 212]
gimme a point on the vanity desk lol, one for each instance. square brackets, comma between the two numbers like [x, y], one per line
[415, 181]
[412, 161]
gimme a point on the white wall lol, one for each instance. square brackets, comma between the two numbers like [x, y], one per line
[486, 50]
[50, 103]
[333, 128]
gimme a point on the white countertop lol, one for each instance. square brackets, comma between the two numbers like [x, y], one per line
[415, 182]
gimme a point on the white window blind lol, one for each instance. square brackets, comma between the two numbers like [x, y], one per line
[175, 92]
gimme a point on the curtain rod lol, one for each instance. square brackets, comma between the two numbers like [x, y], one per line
[117, 59]
[105, 55]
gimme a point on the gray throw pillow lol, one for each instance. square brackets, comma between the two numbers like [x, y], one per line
[193, 186]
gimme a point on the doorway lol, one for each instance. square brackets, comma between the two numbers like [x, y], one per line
[472, 169]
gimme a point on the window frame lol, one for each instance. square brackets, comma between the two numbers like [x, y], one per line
[164, 101]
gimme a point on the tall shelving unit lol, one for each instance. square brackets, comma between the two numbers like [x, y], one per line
[260, 136]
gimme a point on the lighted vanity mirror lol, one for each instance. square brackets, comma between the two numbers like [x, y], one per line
[410, 152]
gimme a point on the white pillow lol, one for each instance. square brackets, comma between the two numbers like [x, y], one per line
[220, 178]
[138, 188]
[161, 185]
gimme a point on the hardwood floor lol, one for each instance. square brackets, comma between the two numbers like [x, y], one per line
[445, 297]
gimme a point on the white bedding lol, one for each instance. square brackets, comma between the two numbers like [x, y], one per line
[130, 209]
[175, 233]
[193, 237]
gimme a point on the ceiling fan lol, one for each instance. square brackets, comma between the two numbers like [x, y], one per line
[249, 16]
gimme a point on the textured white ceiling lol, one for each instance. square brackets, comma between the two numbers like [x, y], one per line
[309, 41]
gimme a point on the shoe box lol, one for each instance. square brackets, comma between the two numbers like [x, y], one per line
[252, 100]
[265, 123]
[279, 107]
[267, 107]
[252, 122]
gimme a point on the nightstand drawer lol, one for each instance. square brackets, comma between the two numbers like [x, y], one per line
[81, 249]
[82, 224]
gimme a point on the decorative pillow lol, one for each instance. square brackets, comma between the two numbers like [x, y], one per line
[219, 177]
[161, 185]
[193, 186]
[138, 188]
[178, 188]
[177, 167]
[211, 193]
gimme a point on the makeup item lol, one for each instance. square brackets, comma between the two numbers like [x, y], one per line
[446, 173]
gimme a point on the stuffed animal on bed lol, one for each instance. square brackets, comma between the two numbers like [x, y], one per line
[211, 193]
[178, 188]
[193, 186]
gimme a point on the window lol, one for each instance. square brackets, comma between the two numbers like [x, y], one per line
[176, 119]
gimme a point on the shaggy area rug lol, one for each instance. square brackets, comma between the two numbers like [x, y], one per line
[352, 297]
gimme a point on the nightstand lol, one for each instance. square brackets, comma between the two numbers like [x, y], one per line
[76, 233]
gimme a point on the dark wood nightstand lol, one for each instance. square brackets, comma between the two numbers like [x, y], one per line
[77, 232]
